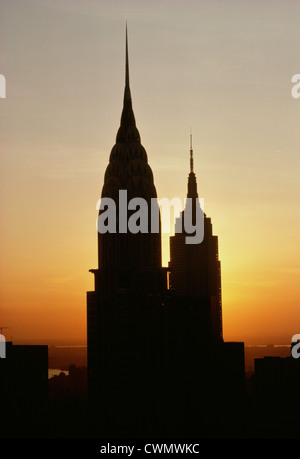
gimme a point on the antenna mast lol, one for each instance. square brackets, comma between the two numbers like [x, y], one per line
[191, 154]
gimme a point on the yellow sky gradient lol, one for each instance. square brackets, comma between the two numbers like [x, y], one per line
[223, 69]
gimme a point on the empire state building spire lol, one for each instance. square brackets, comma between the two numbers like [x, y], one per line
[191, 155]
[192, 182]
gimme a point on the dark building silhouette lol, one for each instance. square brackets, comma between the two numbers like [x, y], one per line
[157, 363]
[275, 404]
[130, 286]
[67, 404]
[209, 373]
[24, 389]
[276, 380]
[195, 270]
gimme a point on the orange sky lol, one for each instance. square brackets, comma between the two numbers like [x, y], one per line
[219, 67]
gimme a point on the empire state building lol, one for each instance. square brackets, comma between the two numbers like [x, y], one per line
[195, 269]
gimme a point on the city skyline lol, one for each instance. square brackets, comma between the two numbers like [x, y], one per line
[55, 128]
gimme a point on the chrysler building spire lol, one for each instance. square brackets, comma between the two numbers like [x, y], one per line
[127, 63]
[127, 130]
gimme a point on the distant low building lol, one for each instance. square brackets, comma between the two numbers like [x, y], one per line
[24, 387]
[277, 377]
[276, 401]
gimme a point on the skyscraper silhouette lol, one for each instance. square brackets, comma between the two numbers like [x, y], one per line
[157, 362]
[195, 270]
[130, 284]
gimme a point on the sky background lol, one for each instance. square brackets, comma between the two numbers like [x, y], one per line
[220, 68]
